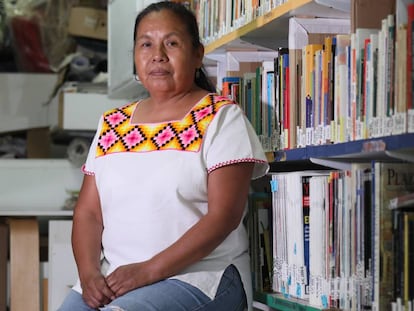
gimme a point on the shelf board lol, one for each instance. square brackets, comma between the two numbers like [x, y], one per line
[400, 147]
[270, 30]
[281, 303]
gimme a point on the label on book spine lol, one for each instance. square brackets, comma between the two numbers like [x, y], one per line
[410, 120]
[399, 123]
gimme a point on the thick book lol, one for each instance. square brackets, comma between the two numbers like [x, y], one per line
[410, 68]
[390, 180]
[259, 228]
[403, 247]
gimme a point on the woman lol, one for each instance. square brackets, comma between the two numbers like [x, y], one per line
[165, 186]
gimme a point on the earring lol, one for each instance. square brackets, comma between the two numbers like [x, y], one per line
[136, 78]
[197, 73]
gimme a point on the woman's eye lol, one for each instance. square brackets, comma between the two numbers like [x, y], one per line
[172, 43]
[143, 44]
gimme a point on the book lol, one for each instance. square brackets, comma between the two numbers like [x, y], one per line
[268, 116]
[249, 91]
[327, 90]
[228, 87]
[318, 279]
[259, 228]
[402, 208]
[343, 42]
[371, 86]
[408, 231]
[279, 233]
[358, 56]
[258, 100]
[286, 103]
[317, 131]
[306, 225]
[360, 259]
[410, 68]
[295, 97]
[285, 108]
[308, 89]
[400, 83]
[390, 180]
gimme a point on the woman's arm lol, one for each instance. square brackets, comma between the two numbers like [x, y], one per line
[228, 188]
[86, 244]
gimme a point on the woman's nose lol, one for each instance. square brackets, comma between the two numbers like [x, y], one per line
[159, 55]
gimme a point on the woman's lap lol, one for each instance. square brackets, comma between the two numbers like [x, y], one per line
[173, 295]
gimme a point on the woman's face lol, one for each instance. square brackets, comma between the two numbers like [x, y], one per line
[164, 57]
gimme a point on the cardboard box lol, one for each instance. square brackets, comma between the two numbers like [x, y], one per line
[76, 111]
[24, 100]
[44, 183]
[88, 22]
[370, 13]
[38, 143]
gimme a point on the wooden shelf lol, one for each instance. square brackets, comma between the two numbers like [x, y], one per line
[270, 30]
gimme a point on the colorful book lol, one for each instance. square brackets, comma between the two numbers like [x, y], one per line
[308, 71]
[228, 87]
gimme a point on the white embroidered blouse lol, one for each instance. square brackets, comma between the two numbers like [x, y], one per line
[152, 182]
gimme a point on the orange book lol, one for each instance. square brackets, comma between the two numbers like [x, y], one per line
[308, 67]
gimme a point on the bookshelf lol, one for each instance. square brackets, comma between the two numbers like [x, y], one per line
[381, 148]
[280, 303]
[268, 32]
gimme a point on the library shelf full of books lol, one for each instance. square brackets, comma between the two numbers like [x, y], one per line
[328, 87]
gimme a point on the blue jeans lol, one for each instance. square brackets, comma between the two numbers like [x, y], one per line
[172, 295]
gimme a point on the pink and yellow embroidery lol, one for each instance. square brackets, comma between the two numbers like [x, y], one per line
[119, 135]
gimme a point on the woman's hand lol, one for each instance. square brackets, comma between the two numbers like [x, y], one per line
[128, 277]
[95, 292]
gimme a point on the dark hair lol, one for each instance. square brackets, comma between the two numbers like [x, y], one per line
[200, 78]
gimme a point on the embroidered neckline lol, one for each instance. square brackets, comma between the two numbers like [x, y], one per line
[118, 134]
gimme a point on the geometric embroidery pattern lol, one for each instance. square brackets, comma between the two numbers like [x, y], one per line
[119, 135]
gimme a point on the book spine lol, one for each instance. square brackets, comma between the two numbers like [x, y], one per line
[306, 225]
[410, 68]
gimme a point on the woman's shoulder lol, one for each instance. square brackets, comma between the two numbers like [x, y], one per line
[216, 100]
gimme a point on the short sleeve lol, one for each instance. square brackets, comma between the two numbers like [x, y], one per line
[89, 167]
[230, 139]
